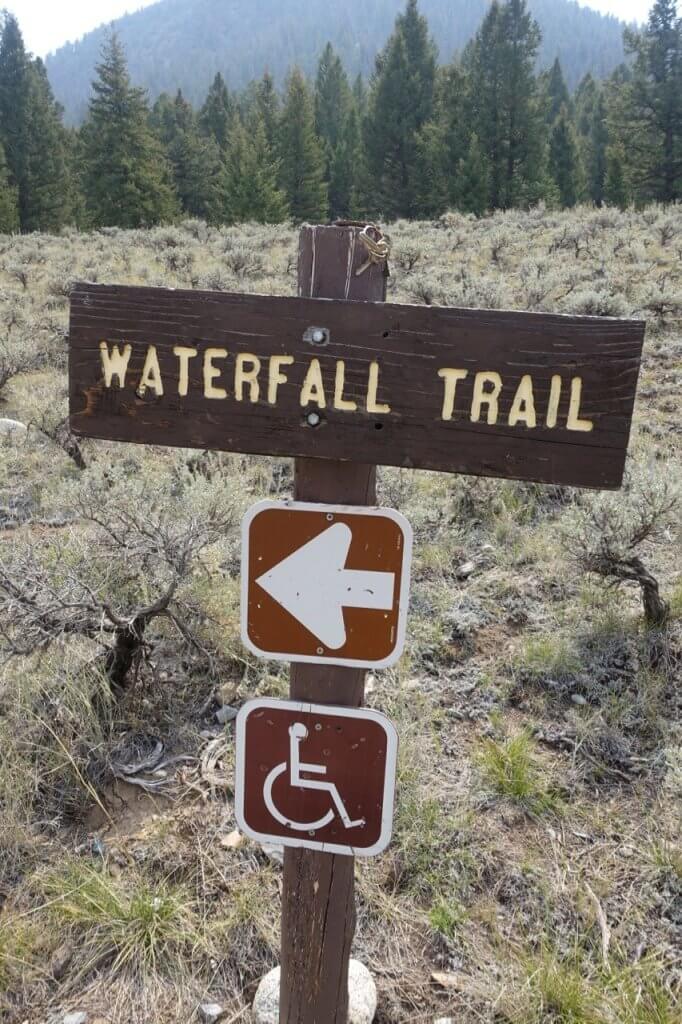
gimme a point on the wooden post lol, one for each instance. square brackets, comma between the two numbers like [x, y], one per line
[318, 898]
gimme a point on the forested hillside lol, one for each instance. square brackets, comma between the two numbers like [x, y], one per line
[482, 133]
[183, 43]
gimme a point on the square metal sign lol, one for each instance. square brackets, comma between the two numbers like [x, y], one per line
[315, 776]
[327, 584]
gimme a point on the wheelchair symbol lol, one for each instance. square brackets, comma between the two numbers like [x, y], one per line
[297, 735]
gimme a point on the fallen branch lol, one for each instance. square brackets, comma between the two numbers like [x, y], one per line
[603, 924]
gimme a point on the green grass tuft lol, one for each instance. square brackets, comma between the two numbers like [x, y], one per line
[512, 770]
[561, 994]
[138, 924]
[447, 917]
[550, 656]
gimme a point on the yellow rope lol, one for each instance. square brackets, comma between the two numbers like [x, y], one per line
[378, 247]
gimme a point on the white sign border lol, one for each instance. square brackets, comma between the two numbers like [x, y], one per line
[403, 597]
[329, 711]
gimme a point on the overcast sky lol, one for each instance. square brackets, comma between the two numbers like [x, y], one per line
[46, 24]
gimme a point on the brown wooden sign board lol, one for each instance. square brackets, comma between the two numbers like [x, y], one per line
[524, 396]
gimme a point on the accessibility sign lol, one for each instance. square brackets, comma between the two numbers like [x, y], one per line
[327, 584]
[315, 776]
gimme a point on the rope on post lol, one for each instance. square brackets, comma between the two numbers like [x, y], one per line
[377, 245]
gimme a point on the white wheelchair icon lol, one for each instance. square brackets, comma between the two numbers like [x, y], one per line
[297, 735]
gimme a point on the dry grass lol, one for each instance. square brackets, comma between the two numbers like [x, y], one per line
[541, 755]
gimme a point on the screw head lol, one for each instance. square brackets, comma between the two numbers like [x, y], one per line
[313, 419]
[317, 335]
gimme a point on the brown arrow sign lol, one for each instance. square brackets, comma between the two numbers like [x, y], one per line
[327, 584]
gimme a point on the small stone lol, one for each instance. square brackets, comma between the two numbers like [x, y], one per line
[274, 852]
[211, 1012]
[209, 734]
[75, 1018]
[361, 990]
[578, 699]
[12, 428]
[444, 1020]
[61, 959]
[226, 714]
[227, 693]
[464, 571]
[446, 979]
[233, 841]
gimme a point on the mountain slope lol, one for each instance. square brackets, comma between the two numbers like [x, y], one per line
[182, 43]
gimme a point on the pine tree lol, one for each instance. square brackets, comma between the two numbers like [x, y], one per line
[556, 92]
[73, 147]
[126, 180]
[593, 133]
[268, 108]
[249, 188]
[433, 189]
[217, 114]
[616, 190]
[332, 98]
[14, 89]
[472, 180]
[360, 96]
[345, 169]
[504, 105]
[44, 190]
[194, 158]
[650, 111]
[32, 135]
[337, 126]
[444, 141]
[563, 159]
[302, 154]
[9, 200]
[400, 104]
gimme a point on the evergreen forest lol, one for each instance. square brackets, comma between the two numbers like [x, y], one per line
[415, 139]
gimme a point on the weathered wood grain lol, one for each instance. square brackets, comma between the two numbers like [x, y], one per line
[318, 893]
[409, 344]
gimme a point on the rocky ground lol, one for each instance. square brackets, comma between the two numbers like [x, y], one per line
[536, 869]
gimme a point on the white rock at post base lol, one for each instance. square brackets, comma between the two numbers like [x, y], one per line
[210, 1012]
[361, 989]
[12, 428]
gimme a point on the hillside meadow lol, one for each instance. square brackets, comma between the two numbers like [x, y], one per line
[535, 876]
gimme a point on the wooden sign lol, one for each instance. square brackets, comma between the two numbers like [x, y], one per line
[315, 777]
[325, 584]
[525, 396]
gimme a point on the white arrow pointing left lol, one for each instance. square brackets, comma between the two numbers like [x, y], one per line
[314, 586]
